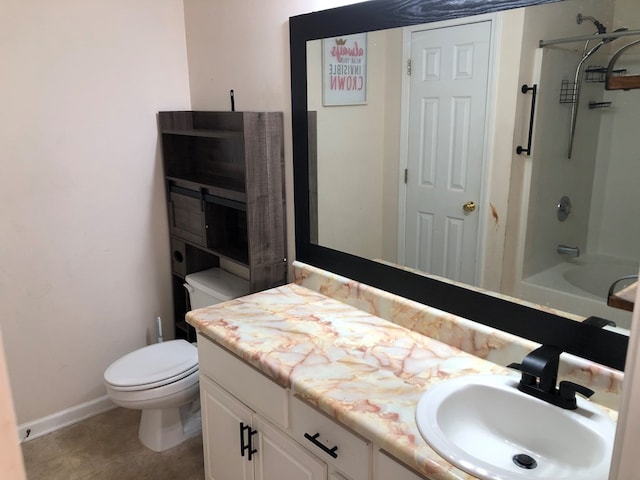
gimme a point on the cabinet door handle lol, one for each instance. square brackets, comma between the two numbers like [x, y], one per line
[172, 214]
[202, 200]
[314, 439]
[249, 445]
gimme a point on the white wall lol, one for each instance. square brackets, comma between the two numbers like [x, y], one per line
[84, 252]
[504, 95]
[624, 461]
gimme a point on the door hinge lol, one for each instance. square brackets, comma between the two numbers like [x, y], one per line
[406, 175]
[409, 67]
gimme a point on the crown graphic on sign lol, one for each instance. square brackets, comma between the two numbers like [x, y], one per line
[340, 41]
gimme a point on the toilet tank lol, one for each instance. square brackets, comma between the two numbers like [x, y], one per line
[214, 286]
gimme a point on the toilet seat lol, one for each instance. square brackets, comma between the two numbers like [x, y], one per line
[156, 397]
[153, 366]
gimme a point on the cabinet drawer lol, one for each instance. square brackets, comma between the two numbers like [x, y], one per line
[320, 434]
[253, 388]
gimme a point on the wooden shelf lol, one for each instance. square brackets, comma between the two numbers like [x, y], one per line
[624, 82]
[223, 134]
[625, 298]
[197, 188]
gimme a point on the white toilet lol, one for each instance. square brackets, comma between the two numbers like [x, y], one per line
[162, 379]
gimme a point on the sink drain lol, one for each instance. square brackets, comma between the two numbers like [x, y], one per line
[524, 461]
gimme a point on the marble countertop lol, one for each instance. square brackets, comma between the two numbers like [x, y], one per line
[479, 340]
[366, 372]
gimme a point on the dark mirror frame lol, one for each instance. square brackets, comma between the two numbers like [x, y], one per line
[584, 340]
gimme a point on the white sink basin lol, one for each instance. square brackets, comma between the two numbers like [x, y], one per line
[481, 423]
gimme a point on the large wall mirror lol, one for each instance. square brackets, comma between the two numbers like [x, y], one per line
[495, 227]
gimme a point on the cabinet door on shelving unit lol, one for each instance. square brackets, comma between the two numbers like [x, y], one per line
[186, 218]
[222, 416]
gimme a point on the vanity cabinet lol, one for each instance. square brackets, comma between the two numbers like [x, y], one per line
[243, 411]
[240, 445]
[224, 178]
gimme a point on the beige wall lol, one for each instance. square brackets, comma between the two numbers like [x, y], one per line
[84, 250]
[11, 463]
[353, 162]
[81, 191]
[85, 265]
[244, 45]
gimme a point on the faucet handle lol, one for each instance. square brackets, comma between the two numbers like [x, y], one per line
[568, 392]
[569, 389]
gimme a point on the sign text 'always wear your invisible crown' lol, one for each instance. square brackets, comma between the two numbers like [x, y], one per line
[344, 70]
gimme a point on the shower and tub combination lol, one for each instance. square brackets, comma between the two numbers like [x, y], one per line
[582, 227]
[580, 285]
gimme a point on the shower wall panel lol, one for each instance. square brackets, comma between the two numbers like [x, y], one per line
[615, 219]
[553, 173]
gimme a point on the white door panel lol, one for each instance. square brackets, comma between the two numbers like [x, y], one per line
[447, 98]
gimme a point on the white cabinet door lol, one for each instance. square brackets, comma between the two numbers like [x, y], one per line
[275, 456]
[280, 458]
[221, 418]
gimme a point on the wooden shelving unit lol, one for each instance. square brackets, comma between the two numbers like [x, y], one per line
[224, 175]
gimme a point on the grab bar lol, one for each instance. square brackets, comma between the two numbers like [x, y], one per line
[526, 89]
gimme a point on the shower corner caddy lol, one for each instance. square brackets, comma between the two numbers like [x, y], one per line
[598, 73]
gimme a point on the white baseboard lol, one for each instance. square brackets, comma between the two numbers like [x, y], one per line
[63, 418]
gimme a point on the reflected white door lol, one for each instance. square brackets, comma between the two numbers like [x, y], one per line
[447, 98]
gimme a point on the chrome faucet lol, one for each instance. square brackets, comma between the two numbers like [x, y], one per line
[539, 375]
[571, 251]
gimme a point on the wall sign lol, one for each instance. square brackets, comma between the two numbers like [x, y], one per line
[344, 70]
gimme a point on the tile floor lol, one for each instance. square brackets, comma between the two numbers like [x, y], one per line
[106, 447]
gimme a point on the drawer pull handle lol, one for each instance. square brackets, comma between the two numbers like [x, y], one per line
[249, 446]
[314, 439]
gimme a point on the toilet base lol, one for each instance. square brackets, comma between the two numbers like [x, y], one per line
[164, 428]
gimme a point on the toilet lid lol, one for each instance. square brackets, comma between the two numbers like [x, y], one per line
[154, 365]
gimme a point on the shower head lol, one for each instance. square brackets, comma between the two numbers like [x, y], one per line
[601, 28]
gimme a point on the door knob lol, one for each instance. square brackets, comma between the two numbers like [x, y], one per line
[469, 207]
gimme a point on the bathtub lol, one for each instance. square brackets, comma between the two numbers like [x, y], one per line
[580, 286]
